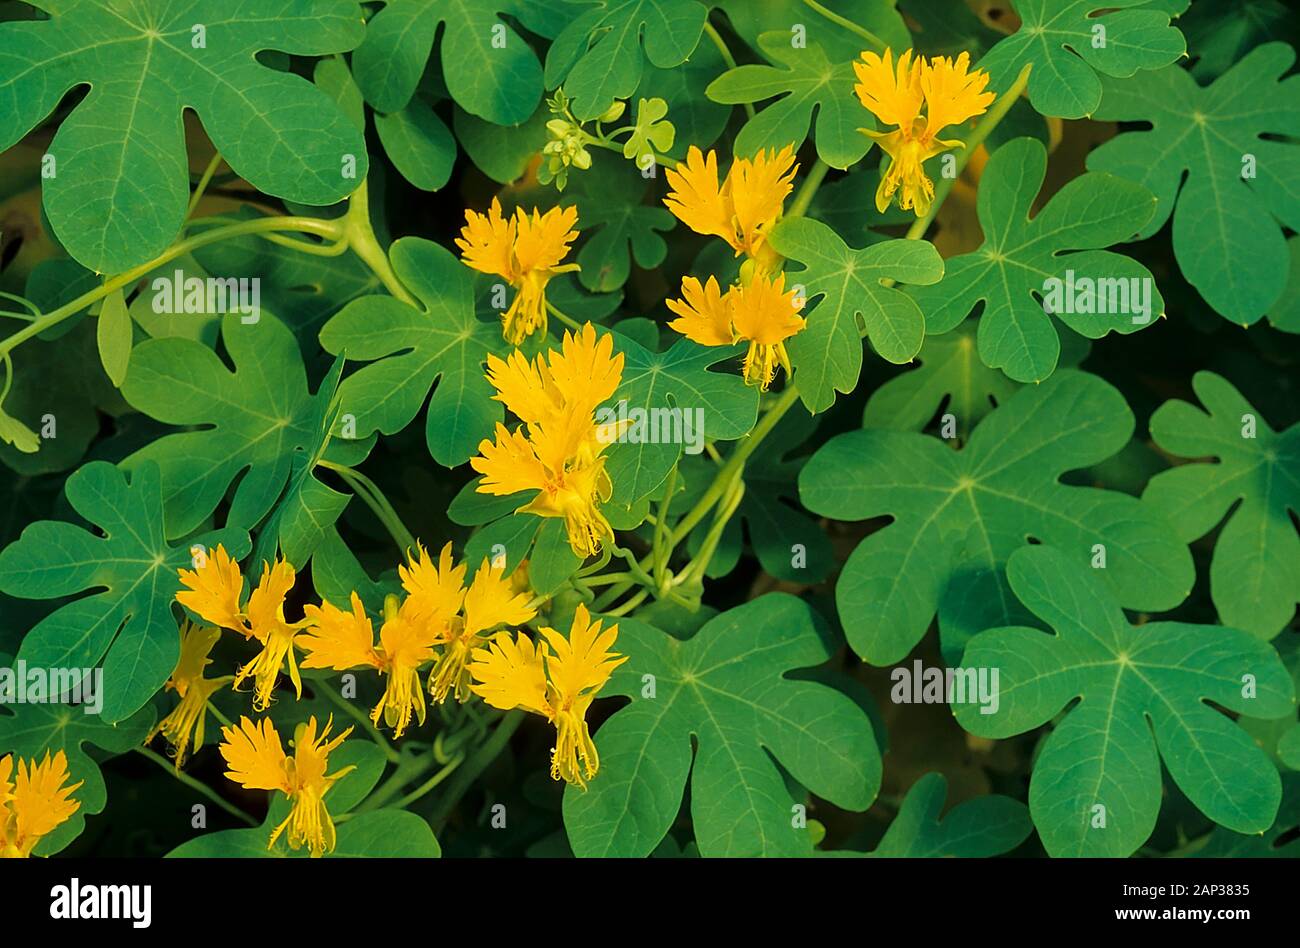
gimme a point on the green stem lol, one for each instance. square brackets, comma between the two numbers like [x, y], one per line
[374, 498]
[225, 721]
[629, 605]
[474, 767]
[698, 566]
[849, 25]
[348, 708]
[711, 32]
[816, 175]
[361, 238]
[204, 181]
[311, 225]
[562, 317]
[407, 769]
[197, 786]
[447, 770]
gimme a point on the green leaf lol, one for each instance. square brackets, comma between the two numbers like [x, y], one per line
[120, 192]
[1070, 41]
[308, 516]
[958, 515]
[1251, 477]
[726, 691]
[1221, 34]
[128, 622]
[489, 69]
[257, 419]
[441, 346]
[827, 354]
[651, 135]
[669, 391]
[29, 730]
[949, 374]
[419, 144]
[113, 333]
[979, 828]
[1227, 237]
[1010, 273]
[1137, 696]
[618, 225]
[599, 57]
[806, 82]
[1278, 842]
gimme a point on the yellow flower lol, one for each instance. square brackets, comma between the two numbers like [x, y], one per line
[525, 251]
[187, 680]
[743, 208]
[343, 640]
[492, 600]
[434, 592]
[557, 451]
[35, 804]
[214, 588]
[265, 622]
[257, 762]
[895, 93]
[760, 312]
[558, 679]
[703, 313]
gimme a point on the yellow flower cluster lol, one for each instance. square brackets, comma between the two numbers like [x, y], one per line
[33, 803]
[557, 451]
[441, 623]
[741, 210]
[895, 93]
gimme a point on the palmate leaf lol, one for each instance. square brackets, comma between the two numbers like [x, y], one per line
[827, 354]
[599, 57]
[1141, 694]
[672, 388]
[442, 347]
[1070, 42]
[1254, 481]
[1227, 237]
[257, 419]
[617, 224]
[1221, 34]
[726, 691]
[978, 828]
[496, 79]
[375, 833]
[806, 81]
[128, 621]
[120, 191]
[1009, 273]
[29, 730]
[958, 515]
